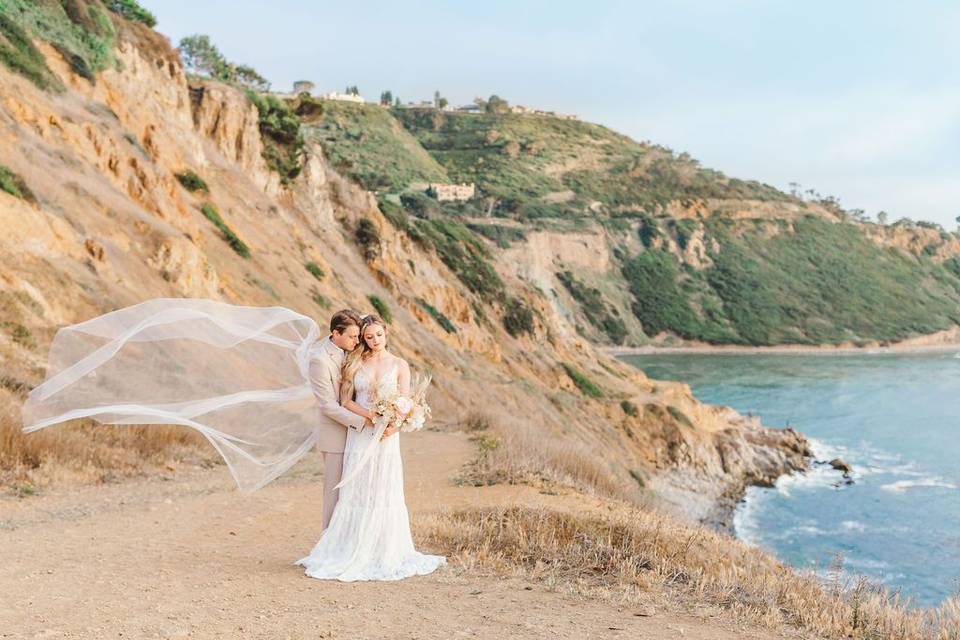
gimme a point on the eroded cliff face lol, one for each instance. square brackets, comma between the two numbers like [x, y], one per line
[109, 225]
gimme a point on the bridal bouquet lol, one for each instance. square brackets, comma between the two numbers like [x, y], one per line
[407, 413]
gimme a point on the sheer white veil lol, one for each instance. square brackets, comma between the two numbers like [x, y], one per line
[239, 375]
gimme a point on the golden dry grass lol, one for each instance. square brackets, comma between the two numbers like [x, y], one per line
[85, 452]
[630, 548]
[622, 554]
[524, 454]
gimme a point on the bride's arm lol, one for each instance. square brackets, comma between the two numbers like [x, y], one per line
[403, 382]
[347, 402]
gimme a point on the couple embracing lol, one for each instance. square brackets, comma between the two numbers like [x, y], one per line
[366, 527]
[249, 379]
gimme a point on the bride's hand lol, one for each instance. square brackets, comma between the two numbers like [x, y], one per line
[389, 431]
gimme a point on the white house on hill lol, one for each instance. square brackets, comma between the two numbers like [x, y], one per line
[344, 97]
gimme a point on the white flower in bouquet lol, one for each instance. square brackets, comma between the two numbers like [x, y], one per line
[407, 413]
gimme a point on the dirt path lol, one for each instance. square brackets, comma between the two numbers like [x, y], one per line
[192, 557]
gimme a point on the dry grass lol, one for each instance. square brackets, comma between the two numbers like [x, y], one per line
[526, 455]
[630, 551]
[83, 451]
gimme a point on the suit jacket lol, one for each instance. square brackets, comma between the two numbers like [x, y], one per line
[325, 379]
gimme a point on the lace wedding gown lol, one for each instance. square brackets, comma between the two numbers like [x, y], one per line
[368, 537]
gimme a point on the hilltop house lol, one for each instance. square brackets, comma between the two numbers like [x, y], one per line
[302, 86]
[343, 97]
[452, 192]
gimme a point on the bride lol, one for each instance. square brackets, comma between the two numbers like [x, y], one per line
[241, 376]
[368, 537]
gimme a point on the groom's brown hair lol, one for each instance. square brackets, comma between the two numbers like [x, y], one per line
[343, 319]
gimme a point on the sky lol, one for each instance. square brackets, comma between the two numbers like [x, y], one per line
[858, 100]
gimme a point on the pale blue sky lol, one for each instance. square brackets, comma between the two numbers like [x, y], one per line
[857, 99]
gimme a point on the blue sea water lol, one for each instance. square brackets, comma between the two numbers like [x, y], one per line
[894, 417]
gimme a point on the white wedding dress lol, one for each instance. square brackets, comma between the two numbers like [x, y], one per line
[368, 537]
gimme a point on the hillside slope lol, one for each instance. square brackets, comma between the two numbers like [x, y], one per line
[633, 242]
[134, 183]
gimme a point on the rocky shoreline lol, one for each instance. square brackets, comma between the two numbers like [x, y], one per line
[708, 486]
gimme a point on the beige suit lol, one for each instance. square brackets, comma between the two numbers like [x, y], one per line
[334, 420]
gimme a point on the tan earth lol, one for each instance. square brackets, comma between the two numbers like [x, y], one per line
[189, 556]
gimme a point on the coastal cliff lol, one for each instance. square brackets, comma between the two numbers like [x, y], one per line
[139, 182]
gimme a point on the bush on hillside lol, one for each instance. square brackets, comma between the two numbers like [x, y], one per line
[461, 251]
[587, 386]
[210, 213]
[381, 308]
[441, 319]
[315, 270]
[79, 30]
[283, 147]
[517, 318]
[192, 182]
[598, 311]
[131, 10]
[14, 185]
[660, 303]
[368, 238]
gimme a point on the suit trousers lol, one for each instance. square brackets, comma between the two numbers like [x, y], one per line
[332, 472]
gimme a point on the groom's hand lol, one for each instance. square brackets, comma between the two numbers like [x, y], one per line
[367, 423]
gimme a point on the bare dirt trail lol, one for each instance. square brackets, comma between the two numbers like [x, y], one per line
[192, 557]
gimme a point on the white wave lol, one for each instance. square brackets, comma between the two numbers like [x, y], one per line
[902, 485]
[853, 525]
[746, 523]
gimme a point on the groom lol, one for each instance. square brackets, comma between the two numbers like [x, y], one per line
[325, 370]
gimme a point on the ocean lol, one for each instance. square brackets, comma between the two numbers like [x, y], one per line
[894, 417]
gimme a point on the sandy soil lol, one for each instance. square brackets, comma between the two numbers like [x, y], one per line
[189, 556]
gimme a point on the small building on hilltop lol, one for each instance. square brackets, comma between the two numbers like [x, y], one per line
[302, 86]
[343, 97]
[452, 192]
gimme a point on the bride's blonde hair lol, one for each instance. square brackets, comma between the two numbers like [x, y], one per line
[354, 359]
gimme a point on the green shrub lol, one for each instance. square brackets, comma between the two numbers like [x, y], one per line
[192, 182]
[461, 251]
[381, 308]
[18, 53]
[660, 304]
[598, 312]
[585, 384]
[368, 238]
[131, 10]
[22, 336]
[394, 213]
[321, 300]
[953, 265]
[420, 205]
[14, 185]
[517, 317]
[283, 142]
[441, 319]
[365, 142]
[79, 30]
[500, 234]
[629, 408]
[211, 213]
[315, 270]
[648, 231]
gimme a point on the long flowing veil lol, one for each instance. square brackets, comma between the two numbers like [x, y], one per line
[239, 375]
